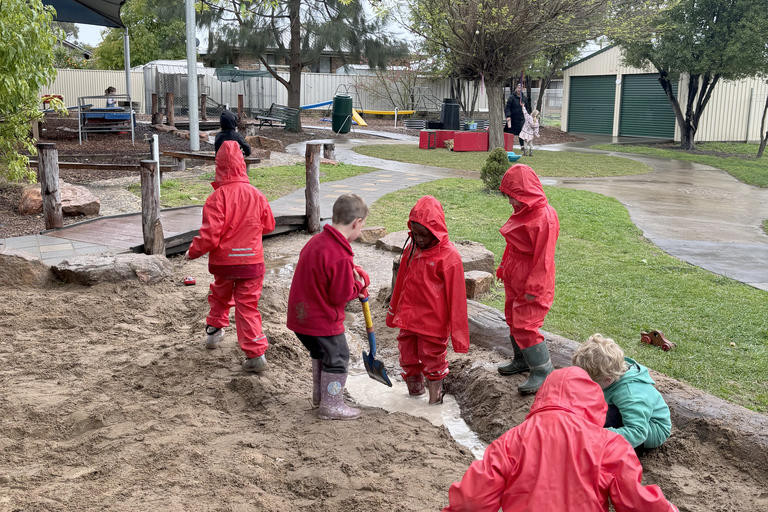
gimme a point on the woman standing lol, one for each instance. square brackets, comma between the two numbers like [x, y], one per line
[514, 113]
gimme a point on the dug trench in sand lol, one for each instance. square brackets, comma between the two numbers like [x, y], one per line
[110, 401]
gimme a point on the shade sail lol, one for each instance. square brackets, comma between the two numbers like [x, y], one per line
[105, 13]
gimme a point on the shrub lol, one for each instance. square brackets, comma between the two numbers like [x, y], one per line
[494, 168]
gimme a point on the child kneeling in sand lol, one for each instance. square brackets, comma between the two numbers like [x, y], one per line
[429, 301]
[636, 409]
[325, 280]
[235, 216]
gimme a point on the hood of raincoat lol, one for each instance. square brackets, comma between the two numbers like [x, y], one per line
[570, 389]
[228, 120]
[230, 165]
[429, 213]
[521, 183]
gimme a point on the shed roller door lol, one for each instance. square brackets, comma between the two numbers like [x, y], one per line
[590, 104]
[645, 109]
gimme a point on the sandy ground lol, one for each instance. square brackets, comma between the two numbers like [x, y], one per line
[110, 401]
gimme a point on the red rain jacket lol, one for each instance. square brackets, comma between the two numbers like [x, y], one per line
[430, 296]
[323, 283]
[235, 215]
[560, 459]
[528, 264]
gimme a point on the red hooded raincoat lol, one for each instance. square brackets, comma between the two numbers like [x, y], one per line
[560, 459]
[528, 264]
[430, 297]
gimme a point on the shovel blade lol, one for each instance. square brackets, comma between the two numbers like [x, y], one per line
[376, 370]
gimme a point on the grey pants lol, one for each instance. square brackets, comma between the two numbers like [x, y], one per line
[333, 351]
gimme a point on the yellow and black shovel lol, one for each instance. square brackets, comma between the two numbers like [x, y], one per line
[375, 369]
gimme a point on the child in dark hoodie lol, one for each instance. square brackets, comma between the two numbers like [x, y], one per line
[229, 131]
[235, 216]
[528, 272]
[636, 409]
[429, 301]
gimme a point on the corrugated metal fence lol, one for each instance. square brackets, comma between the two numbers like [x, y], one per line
[73, 83]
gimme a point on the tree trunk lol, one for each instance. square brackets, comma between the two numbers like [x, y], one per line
[763, 131]
[495, 94]
[544, 85]
[686, 137]
[528, 93]
[294, 58]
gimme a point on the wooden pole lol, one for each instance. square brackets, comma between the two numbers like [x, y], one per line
[329, 151]
[312, 190]
[157, 117]
[169, 111]
[151, 227]
[240, 107]
[48, 176]
[203, 112]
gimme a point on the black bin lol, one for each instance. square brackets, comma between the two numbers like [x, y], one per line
[449, 115]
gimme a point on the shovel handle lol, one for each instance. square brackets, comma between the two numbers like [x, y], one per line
[369, 326]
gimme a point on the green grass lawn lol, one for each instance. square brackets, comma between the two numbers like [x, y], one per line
[612, 280]
[274, 182]
[545, 163]
[742, 165]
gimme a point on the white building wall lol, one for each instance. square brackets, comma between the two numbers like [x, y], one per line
[73, 83]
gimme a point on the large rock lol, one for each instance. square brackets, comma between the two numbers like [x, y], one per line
[488, 328]
[92, 269]
[75, 200]
[477, 283]
[371, 234]
[31, 201]
[20, 269]
[474, 256]
[393, 242]
[259, 141]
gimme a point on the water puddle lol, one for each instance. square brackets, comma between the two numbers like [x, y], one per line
[369, 392]
[280, 267]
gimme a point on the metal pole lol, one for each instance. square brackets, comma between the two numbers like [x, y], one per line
[192, 100]
[127, 64]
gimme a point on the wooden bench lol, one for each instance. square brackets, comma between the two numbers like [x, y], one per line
[180, 157]
[277, 114]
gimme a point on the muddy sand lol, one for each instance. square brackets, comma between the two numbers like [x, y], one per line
[110, 401]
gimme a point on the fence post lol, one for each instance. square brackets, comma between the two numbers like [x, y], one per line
[203, 112]
[329, 151]
[48, 176]
[240, 107]
[169, 110]
[157, 116]
[151, 227]
[312, 189]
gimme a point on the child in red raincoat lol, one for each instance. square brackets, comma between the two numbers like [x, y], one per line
[235, 216]
[559, 459]
[429, 301]
[528, 272]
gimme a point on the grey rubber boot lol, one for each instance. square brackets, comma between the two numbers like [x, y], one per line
[332, 406]
[213, 336]
[317, 369]
[538, 360]
[435, 388]
[255, 365]
[518, 364]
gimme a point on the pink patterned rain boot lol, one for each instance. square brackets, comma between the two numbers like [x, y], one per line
[332, 406]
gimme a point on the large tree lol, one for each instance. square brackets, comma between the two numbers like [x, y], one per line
[706, 41]
[493, 39]
[299, 31]
[157, 30]
[27, 39]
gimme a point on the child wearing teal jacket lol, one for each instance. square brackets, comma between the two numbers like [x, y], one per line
[636, 409]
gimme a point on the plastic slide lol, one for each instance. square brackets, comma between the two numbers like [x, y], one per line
[315, 105]
[356, 118]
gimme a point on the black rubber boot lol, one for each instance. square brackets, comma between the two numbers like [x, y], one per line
[538, 360]
[518, 364]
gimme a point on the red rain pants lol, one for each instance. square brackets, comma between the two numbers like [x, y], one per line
[524, 318]
[422, 355]
[244, 294]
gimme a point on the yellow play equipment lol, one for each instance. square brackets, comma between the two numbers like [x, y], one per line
[386, 112]
[359, 120]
